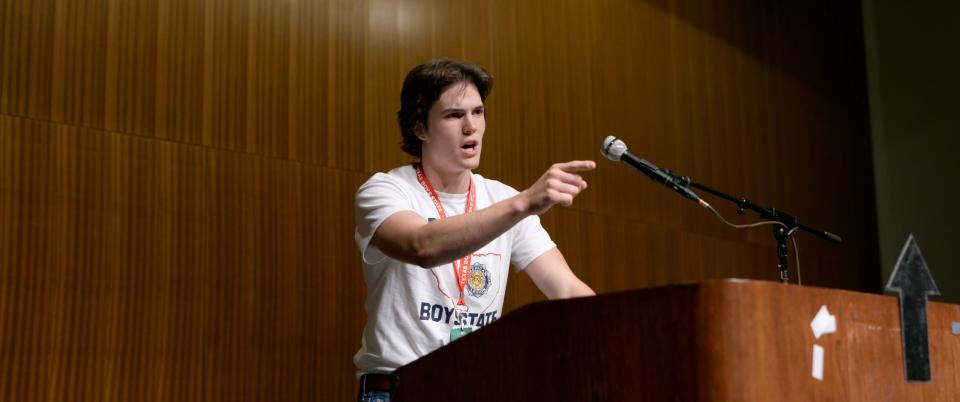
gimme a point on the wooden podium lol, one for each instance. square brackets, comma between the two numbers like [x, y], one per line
[730, 340]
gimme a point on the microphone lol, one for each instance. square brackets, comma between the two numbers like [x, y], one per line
[616, 150]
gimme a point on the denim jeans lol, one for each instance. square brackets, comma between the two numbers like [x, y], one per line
[375, 396]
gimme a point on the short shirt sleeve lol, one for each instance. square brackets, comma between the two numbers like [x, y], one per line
[530, 241]
[376, 200]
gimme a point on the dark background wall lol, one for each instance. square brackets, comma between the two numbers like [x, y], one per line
[176, 176]
[912, 56]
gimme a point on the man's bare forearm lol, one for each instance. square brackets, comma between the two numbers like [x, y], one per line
[445, 240]
[442, 241]
[406, 237]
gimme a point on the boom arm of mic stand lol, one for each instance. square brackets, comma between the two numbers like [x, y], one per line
[766, 213]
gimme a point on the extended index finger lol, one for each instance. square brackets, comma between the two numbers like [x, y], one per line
[577, 166]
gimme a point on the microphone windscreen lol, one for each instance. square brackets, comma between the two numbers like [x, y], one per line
[612, 148]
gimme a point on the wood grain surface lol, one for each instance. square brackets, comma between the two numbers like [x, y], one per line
[177, 176]
[714, 341]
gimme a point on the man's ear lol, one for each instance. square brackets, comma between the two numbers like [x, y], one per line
[420, 131]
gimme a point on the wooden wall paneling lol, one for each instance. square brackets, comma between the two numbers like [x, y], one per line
[617, 254]
[721, 142]
[78, 86]
[101, 221]
[502, 157]
[462, 30]
[260, 60]
[540, 109]
[416, 31]
[226, 75]
[181, 72]
[543, 82]
[388, 51]
[130, 70]
[546, 93]
[629, 104]
[345, 127]
[10, 279]
[223, 74]
[754, 136]
[285, 279]
[188, 313]
[381, 87]
[277, 228]
[26, 36]
[177, 191]
[533, 83]
[383, 79]
[268, 64]
[149, 279]
[612, 253]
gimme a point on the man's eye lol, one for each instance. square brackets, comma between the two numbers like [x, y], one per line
[455, 115]
[478, 112]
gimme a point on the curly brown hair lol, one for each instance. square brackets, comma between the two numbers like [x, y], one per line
[422, 87]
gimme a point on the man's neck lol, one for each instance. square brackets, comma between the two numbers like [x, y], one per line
[447, 182]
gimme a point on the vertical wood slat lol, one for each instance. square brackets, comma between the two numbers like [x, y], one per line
[149, 265]
[215, 73]
[176, 177]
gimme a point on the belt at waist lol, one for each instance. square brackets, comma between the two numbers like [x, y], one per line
[377, 382]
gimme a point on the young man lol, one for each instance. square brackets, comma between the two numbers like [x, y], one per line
[437, 240]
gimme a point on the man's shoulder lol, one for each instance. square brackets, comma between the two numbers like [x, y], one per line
[399, 176]
[495, 187]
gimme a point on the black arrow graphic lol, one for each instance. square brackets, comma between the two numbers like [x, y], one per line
[913, 281]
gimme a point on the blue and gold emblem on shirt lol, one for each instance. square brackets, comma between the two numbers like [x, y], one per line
[479, 280]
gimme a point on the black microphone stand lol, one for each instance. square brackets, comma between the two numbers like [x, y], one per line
[780, 233]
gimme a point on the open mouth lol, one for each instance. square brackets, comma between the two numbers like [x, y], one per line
[469, 146]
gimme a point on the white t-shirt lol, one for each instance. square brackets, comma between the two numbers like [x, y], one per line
[409, 308]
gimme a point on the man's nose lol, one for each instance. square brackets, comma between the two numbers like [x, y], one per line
[469, 125]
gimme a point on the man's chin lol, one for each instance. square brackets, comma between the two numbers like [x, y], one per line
[472, 163]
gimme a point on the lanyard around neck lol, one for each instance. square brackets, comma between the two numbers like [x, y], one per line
[461, 268]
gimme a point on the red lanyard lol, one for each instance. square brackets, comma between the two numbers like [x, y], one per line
[461, 268]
